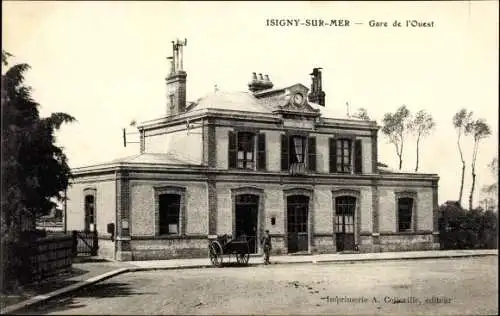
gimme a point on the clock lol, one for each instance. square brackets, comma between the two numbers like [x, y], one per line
[298, 98]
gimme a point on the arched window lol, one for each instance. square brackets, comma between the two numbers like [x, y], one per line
[89, 212]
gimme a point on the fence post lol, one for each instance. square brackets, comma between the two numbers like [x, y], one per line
[75, 243]
[95, 245]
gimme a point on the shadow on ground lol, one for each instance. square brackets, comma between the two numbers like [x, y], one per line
[43, 287]
[82, 259]
[71, 301]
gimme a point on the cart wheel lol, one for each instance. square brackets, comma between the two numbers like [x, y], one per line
[215, 253]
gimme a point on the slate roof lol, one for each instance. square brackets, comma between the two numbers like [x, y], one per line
[245, 101]
[156, 158]
[236, 100]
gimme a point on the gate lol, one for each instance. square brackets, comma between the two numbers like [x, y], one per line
[85, 243]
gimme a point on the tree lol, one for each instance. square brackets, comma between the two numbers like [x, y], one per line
[422, 125]
[479, 129]
[34, 170]
[395, 127]
[490, 191]
[460, 120]
[362, 114]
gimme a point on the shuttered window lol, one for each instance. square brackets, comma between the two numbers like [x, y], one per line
[358, 157]
[232, 150]
[284, 153]
[333, 155]
[261, 152]
[311, 154]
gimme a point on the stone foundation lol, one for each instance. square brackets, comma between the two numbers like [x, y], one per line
[394, 242]
[160, 249]
[324, 244]
[106, 248]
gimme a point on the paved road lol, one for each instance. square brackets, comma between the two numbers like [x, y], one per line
[437, 287]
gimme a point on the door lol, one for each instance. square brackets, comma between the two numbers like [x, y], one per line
[297, 212]
[246, 209]
[344, 220]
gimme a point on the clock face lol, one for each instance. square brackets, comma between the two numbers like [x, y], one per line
[298, 98]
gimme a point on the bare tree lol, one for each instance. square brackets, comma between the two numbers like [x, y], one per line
[362, 114]
[460, 120]
[479, 129]
[422, 125]
[395, 127]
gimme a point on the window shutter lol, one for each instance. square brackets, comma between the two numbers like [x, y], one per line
[358, 157]
[284, 153]
[261, 152]
[232, 150]
[311, 154]
[333, 155]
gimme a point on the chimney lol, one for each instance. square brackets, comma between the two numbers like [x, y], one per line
[259, 83]
[176, 80]
[317, 95]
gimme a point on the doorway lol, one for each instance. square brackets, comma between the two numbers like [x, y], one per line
[345, 207]
[246, 219]
[297, 220]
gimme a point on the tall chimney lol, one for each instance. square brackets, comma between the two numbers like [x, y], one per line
[176, 81]
[317, 95]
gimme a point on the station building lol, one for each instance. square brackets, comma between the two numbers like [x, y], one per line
[239, 163]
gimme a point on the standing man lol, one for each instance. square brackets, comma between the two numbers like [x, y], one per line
[266, 244]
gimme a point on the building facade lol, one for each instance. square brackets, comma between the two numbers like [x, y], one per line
[240, 163]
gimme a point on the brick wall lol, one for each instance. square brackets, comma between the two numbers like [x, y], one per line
[388, 207]
[105, 203]
[143, 206]
[221, 134]
[273, 143]
[155, 249]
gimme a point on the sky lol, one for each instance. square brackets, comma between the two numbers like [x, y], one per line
[105, 64]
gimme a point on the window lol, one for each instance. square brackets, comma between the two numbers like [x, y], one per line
[245, 158]
[89, 212]
[169, 210]
[405, 210]
[297, 149]
[244, 148]
[297, 152]
[341, 155]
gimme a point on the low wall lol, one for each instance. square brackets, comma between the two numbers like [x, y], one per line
[394, 242]
[169, 248]
[36, 259]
